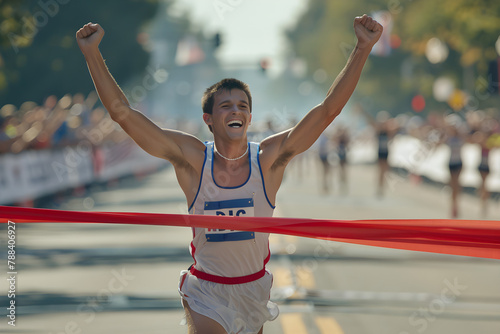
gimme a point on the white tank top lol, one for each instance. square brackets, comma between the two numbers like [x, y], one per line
[231, 253]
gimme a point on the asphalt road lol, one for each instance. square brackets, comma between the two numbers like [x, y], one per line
[83, 278]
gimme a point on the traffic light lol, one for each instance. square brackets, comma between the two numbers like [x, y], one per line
[217, 40]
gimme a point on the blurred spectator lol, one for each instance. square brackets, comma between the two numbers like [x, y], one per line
[385, 129]
[485, 136]
[454, 136]
[5, 140]
[342, 142]
[324, 153]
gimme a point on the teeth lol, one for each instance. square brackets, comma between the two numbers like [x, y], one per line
[235, 123]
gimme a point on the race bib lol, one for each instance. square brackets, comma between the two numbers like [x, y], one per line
[243, 207]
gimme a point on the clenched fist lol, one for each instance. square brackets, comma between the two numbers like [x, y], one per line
[89, 37]
[367, 31]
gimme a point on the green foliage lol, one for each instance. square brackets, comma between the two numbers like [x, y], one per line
[39, 55]
[462, 24]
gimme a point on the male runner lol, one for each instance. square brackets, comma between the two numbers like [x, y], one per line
[227, 289]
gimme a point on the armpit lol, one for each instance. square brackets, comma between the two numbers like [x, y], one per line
[282, 160]
[179, 162]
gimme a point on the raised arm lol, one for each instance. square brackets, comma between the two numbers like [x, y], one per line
[279, 149]
[184, 151]
[177, 147]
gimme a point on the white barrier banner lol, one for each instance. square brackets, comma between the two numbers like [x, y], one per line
[32, 174]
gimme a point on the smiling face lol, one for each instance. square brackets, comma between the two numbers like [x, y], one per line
[231, 114]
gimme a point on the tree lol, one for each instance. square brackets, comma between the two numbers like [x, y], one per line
[39, 53]
[468, 27]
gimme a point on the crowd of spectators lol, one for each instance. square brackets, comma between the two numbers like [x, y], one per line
[54, 124]
[479, 128]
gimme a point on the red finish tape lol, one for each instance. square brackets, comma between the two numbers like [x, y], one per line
[477, 238]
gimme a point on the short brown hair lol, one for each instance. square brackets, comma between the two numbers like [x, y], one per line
[228, 84]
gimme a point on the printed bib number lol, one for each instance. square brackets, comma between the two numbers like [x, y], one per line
[237, 207]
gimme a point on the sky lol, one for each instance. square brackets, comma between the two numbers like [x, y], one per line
[251, 29]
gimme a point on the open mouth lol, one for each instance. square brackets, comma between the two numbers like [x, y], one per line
[235, 124]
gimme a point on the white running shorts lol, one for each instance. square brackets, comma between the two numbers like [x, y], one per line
[239, 308]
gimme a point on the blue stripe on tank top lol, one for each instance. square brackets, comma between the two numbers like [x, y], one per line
[232, 236]
[229, 204]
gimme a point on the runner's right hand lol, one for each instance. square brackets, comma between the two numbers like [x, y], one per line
[89, 36]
